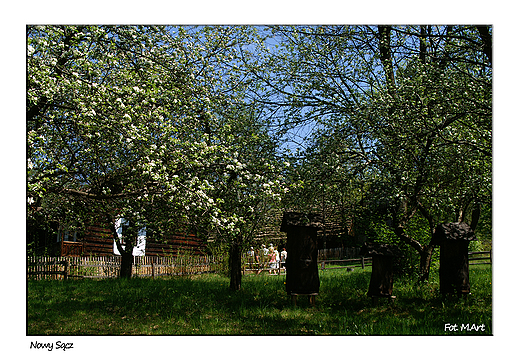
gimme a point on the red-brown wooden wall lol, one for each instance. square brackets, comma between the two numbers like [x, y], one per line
[98, 240]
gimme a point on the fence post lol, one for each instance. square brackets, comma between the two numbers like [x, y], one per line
[362, 262]
[153, 269]
[66, 272]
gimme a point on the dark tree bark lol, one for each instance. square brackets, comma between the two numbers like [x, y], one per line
[487, 40]
[235, 264]
[127, 258]
[425, 262]
[386, 56]
[475, 215]
[127, 261]
[423, 47]
[302, 248]
[382, 277]
[454, 239]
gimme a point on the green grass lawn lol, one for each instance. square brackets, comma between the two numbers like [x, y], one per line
[204, 305]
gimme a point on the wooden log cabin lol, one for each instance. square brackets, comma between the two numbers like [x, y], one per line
[98, 240]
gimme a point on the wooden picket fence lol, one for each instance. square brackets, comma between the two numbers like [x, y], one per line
[345, 257]
[350, 263]
[335, 258]
[485, 256]
[339, 253]
[153, 266]
[108, 266]
[253, 267]
[474, 258]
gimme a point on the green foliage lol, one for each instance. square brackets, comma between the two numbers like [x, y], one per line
[408, 263]
[400, 118]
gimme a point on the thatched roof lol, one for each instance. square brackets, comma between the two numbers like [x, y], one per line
[289, 219]
[459, 231]
[380, 249]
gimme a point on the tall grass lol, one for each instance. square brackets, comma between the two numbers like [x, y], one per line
[204, 305]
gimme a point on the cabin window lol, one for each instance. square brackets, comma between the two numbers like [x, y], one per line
[64, 235]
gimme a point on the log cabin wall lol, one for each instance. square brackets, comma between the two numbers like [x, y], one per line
[97, 240]
[175, 244]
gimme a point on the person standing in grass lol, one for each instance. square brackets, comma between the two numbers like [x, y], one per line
[283, 257]
[263, 258]
[265, 250]
[251, 252]
[272, 260]
[258, 258]
[277, 257]
[251, 256]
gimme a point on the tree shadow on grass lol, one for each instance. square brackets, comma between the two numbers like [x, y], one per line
[205, 305]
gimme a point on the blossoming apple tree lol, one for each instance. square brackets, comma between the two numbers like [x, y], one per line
[149, 124]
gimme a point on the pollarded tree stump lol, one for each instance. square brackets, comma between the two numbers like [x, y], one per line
[454, 238]
[302, 276]
[382, 277]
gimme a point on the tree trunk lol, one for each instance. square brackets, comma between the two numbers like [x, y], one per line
[425, 252]
[475, 215]
[425, 262]
[235, 264]
[487, 41]
[127, 261]
[384, 33]
[127, 258]
[382, 276]
[423, 47]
